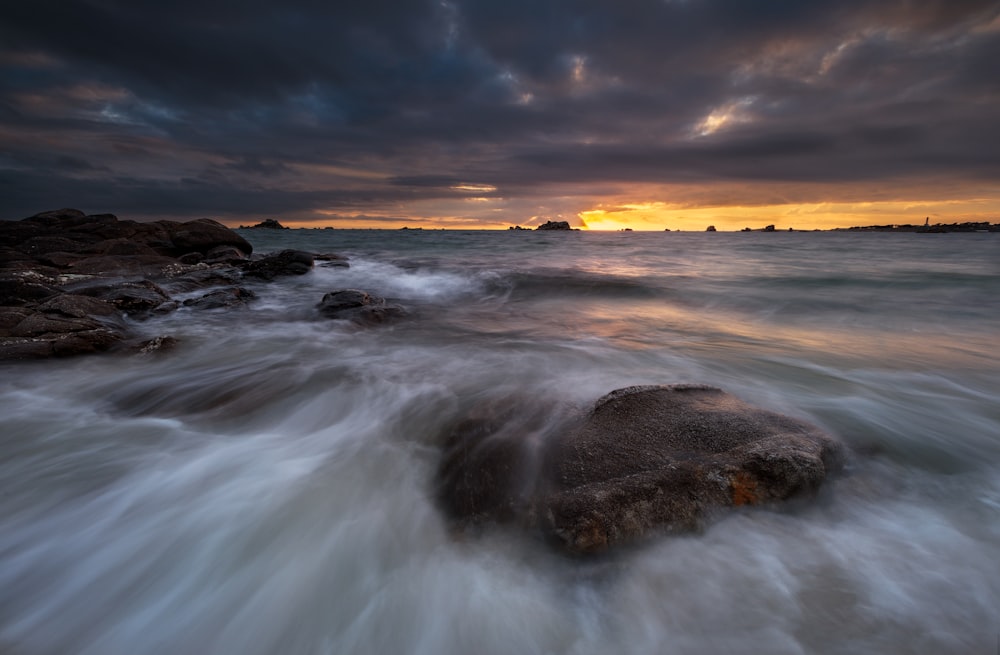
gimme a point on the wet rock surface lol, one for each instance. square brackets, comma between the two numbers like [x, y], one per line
[358, 306]
[64, 325]
[286, 262]
[222, 299]
[643, 461]
[73, 283]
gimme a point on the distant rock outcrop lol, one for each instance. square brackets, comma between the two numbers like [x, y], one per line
[643, 461]
[266, 224]
[554, 225]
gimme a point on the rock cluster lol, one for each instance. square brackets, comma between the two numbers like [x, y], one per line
[644, 460]
[70, 282]
[68, 241]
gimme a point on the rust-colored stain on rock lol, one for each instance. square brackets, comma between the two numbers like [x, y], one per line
[744, 488]
[592, 538]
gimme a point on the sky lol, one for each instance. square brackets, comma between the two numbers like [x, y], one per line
[648, 114]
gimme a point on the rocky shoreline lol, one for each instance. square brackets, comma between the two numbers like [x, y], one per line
[73, 284]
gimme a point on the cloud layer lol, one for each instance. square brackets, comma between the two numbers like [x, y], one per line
[464, 113]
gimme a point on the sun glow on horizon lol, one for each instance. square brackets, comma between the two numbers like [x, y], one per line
[484, 212]
[658, 216]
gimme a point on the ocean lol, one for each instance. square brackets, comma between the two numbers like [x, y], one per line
[267, 487]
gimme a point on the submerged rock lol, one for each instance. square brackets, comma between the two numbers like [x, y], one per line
[331, 260]
[644, 460]
[156, 345]
[222, 299]
[358, 306]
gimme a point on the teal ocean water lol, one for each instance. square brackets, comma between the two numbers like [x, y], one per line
[267, 487]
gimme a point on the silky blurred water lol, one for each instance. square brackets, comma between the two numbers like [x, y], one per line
[267, 487]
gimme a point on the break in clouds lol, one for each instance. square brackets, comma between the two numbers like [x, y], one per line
[472, 112]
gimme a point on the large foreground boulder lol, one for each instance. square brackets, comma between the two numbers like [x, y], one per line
[644, 460]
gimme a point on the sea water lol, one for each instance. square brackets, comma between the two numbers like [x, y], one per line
[267, 487]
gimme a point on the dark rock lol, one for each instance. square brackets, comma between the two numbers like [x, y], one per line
[59, 259]
[79, 306]
[222, 299]
[645, 460]
[65, 325]
[122, 265]
[165, 307]
[11, 317]
[202, 235]
[122, 246]
[14, 233]
[156, 345]
[331, 260]
[110, 263]
[46, 244]
[489, 471]
[57, 214]
[137, 298]
[20, 291]
[359, 307]
[54, 216]
[337, 301]
[184, 279]
[10, 255]
[286, 262]
[710, 228]
[224, 254]
[554, 225]
[69, 231]
[75, 340]
[268, 224]
[191, 258]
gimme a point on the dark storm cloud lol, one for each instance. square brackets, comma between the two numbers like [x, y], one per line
[236, 108]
